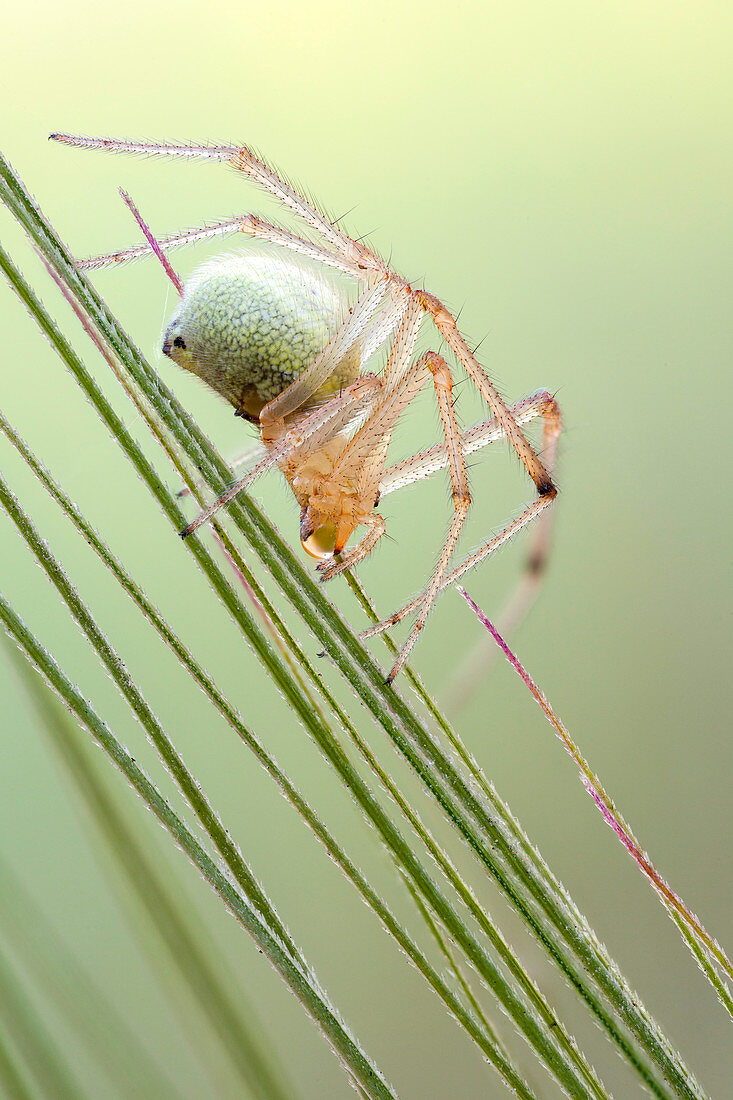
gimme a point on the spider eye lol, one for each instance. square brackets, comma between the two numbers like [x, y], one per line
[179, 342]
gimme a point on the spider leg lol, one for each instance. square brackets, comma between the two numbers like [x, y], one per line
[530, 512]
[249, 224]
[382, 329]
[530, 581]
[244, 160]
[425, 463]
[400, 356]
[245, 458]
[535, 564]
[364, 456]
[473, 669]
[435, 458]
[443, 383]
[331, 568]
[339, 409]
[447, 327]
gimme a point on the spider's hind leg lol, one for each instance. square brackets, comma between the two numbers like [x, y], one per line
[472, 670]
[535, 563]
[427, 462]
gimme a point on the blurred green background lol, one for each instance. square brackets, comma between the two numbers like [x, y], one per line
[562, 175]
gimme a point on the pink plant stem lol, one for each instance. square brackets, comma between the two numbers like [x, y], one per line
[611, 815]
[252, 596]
[151, 239]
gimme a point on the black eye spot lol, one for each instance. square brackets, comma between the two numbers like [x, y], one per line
[179, 342]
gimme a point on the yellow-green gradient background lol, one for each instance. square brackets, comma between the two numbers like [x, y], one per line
[561, 173]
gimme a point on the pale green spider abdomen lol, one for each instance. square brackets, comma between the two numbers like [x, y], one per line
[249, 324]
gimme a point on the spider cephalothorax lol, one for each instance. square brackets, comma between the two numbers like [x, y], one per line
[291, 350]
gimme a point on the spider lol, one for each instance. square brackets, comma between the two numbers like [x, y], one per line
[279, 341]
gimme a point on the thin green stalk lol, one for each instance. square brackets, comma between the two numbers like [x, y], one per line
[494, 977]
[224, 1009]
[438, 854]
[543, 873]
[535, 1019]
[540, 1029]
[485, 1041]
[675, 906]
[546, 915]
[550, 883]
[302, 985]
[169, 755]
[491, 838]
[483, 833]
[456, 968]
[433, 767]
[703, 960]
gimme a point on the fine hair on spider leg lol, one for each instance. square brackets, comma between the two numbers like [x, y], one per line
[295, 366]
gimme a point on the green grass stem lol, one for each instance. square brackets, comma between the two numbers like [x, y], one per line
[302, 984]
[482, 823]
[230, 1019]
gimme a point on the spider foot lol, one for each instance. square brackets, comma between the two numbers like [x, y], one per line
[329, 568]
